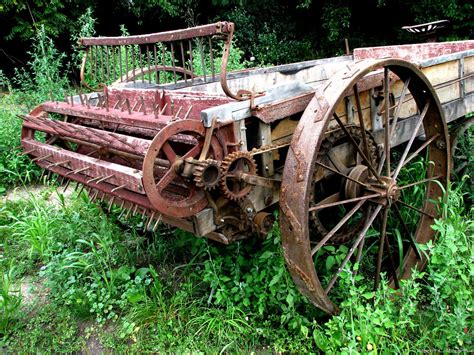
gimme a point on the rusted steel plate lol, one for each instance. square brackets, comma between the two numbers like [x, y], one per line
[177, 35]
[413, 52]
[119, 174]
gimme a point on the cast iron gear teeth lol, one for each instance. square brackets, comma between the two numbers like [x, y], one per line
[207, 174]
[233, 164]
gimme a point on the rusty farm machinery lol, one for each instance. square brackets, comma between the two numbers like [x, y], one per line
[352, 151]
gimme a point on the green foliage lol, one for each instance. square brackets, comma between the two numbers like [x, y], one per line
[9, 300]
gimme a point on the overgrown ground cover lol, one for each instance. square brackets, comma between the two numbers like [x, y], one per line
[76, 277]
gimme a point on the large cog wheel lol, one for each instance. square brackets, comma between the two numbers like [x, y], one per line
[233, 165]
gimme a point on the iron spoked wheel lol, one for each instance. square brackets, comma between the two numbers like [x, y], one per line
[378, 205]
[168, 191]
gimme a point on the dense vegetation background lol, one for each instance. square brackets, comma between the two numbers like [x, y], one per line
[76, 277]
[271, 31]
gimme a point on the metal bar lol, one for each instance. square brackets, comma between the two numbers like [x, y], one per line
[203, 62]
[173, 63]
[149, 67]
[191, 61]
[155, 63]
[212, 60]
[176, 35]
[386, 114]
[183, 62]
[141, 65]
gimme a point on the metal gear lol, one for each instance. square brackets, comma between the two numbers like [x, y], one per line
[317, 223]
[234, 164]
[207, 174]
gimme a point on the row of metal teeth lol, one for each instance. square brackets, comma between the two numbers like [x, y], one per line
[151, 219]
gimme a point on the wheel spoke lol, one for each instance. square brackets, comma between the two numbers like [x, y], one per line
[416, 209]
[392, 263]
[386, 115]
[361, 119]
[361, 236]
[323, 204]
[407, 232]
[412, 138]
[343, 175]
[166, 180]
[337, 227]
[169, 152]
[396, 116]
[193, 152]
[423, 146]
[383, 233]
[356, 146]
[420, 182]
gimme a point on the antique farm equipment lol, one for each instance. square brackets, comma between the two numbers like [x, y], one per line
[353, 151]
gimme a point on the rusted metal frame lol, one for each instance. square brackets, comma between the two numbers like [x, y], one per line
[284, 108]
[78, 162]
[356, 244]
[155, 62]
[356, 146]
[407, 232]
[259, 180]
[412, 138]
[176, 35]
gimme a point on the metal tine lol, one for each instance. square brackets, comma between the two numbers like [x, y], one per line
[127, 102]
[152, 217]
[191, 61]
[129, 210]
[212, 59]
[134, 212]
[121, 208]
[42, 158]
[158, 220]
[118, 102]
[178, 112]
[106, 102]
[148, 59]
[77, 171]
[143, 105]
[62, 180]
[26, 152]
[72, 99]
[141, 66]
[164, 108]
[94, 196]
[66, 99]
[81, 98]
[203, 63]
[188, 112]
[111, 203]
[48, 176]
[104, 178]
[155, 63]
[135, 106]
[94, 179]
[173, 63]
[183, 62]
[58, 163]
[81, 189]
[118, 188]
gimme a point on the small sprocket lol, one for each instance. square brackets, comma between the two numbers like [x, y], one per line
[233, 165]
[207, 174]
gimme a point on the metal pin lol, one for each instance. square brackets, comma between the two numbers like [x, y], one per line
[111, 203]
[150, 220]
[128, 213]
[188, 112]
[28, 152]
[42, 158]
[67, 185]
[48, 176]
[177, 112]
[77, 171]
[118, 188]
[104, 178]
[80, 190]
[134, 212]
[163, 109]
[58, 163]
[94, 179]
[94, 196]
[158, 220]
